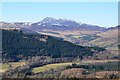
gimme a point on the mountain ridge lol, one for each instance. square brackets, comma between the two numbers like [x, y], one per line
[63, 24]
[53, 23]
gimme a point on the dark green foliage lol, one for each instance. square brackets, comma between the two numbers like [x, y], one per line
[110, 66]
[17, 44]
[96, 48]
[89, 37]
[65, 49]
[74, 65]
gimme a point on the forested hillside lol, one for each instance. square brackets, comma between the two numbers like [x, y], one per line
[17, 46]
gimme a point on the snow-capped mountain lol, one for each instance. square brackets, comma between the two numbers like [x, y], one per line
[62, 24]
[52, 24]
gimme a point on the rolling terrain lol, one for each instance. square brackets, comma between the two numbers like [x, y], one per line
[59, 48]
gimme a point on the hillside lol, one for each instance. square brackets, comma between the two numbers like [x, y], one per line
[17, 46]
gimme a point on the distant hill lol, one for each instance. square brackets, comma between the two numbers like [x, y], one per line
[14, 24]
[108, 39]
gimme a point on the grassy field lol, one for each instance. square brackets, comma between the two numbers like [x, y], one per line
[49, 66]
[4, 67]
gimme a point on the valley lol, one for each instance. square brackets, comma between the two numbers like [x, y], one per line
[58, 48]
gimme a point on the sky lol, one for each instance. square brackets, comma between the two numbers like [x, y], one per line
[59, 0]
[104, 14]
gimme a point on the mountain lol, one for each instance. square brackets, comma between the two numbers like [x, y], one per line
[51, 25]
[62, 24]
[112, 28]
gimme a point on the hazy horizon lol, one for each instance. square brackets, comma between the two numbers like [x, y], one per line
[103, 14]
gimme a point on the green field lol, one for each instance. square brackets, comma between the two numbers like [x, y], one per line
[49, 66]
